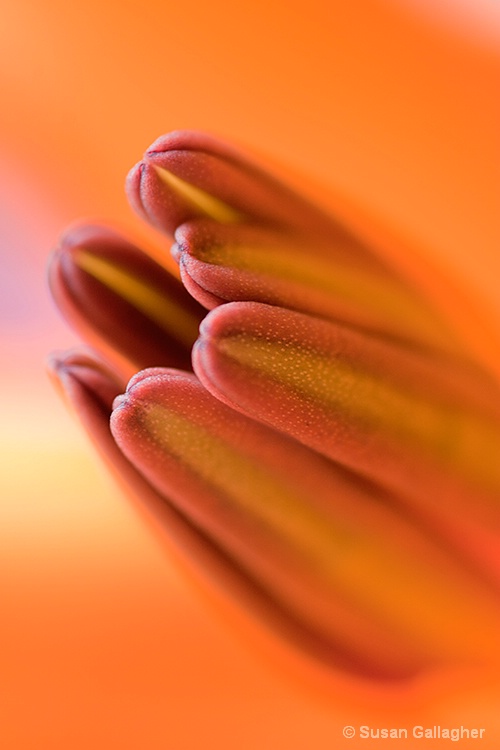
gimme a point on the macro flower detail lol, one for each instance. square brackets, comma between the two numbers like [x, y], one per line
[325, 449]
[274, 247]
[406, 420]
[122, 301]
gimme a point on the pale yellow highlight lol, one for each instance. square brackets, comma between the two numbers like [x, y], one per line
[163, 310]
[202, 201]
[460, 438]
[410, 597]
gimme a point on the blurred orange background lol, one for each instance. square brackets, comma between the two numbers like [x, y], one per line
[392, 106]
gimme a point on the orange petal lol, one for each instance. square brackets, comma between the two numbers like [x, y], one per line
[89, 388]
[244, 235]
[187, 174]
[321, 542]
[317, 275]
[123, 302]
[426, 427]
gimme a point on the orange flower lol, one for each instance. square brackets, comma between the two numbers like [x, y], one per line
[334, 458]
